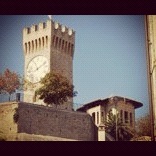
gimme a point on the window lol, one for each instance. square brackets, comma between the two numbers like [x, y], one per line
[63, 45]
[46, 40]
[53, 40]
[97, 117]
[25, 47]
[43, 42]
[29, 46]
[72, 49]
[36, 44]
[66, 46]
[102, 117]
[60, 43]
[131, 119]
[93, 117]
[32, 45]
[39, 43]
[126, 117]
[56, 45]
[121, 116]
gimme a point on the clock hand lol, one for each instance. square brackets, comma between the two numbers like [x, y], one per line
[41, 65]
[37, 67]
[35, 64]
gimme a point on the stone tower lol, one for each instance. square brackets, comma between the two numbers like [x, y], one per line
[47, 47]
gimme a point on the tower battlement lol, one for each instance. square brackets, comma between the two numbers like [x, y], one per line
[56, 27]
[62, 29]
[36, 28]
[45, 34]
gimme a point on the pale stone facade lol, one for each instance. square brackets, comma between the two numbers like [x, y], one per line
[53, 42]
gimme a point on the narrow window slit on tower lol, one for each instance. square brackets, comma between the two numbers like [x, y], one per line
[66, 47]
[63, 45]
[36, 44]
[25, 47]
[56, 45]
[72, 49]
[29, 46]
[39, 43]
[54, 40]
[46, 41]
[32, 45]
[43, 42]
[60, 43]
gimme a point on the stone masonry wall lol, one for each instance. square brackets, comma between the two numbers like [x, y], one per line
[7, 124]
[34, 119]
[42, 120]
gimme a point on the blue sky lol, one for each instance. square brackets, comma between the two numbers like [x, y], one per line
[109, 59]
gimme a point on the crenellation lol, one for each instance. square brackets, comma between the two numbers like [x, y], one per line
[40, 26]
[63, 31]
[33, 28]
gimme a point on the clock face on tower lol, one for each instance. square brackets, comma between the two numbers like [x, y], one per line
[37, 68]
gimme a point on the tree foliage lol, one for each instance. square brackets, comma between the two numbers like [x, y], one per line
[55, 89]
[113, 126]
[143, 126]
[9, 82]
[26, 84]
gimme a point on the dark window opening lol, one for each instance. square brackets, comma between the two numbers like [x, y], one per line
[97, 117]
[131, 119]
[102, 117]
[121, 116]
[93, 117]
[126, 117]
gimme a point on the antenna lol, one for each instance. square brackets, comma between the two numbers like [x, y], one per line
[50, 17]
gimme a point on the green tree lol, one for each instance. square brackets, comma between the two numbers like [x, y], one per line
[143, 126]
[55, 89]
[118, 130]
[9, 82]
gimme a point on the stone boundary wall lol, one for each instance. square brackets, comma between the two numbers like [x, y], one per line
[47, 121]
[7, 124]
